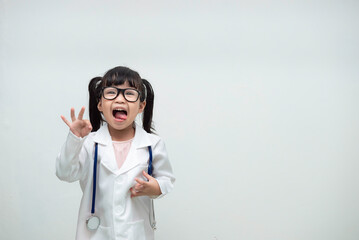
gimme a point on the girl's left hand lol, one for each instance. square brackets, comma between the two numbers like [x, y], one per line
[143, 188]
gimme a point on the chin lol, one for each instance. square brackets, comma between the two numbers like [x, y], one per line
[121, 125]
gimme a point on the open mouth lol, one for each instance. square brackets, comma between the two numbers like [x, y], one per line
[119, 114]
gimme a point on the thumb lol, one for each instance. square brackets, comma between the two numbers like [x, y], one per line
[88, 124]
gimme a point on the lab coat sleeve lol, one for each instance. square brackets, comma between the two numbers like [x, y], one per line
[162, 169]
[71, 160]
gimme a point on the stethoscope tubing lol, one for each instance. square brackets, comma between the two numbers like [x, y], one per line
[94, 180]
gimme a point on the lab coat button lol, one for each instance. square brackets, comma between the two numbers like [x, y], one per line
[119, 209]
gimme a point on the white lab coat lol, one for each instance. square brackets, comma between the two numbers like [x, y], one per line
[121, 216]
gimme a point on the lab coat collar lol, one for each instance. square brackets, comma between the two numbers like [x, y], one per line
[141, 139]
[102, 136]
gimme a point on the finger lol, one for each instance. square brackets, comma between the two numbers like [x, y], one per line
[140, 181]
[139, 187]
[65, 120]
[73, 114]
[81, 114]
[135, 193]
[148, 176]
[133, 190]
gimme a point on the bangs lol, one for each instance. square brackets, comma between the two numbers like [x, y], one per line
[121, 75]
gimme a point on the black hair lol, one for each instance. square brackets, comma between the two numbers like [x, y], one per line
[117, 76]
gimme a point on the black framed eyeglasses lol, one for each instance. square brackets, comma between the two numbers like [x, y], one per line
[130, 94]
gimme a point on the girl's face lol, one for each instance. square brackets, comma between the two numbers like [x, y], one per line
[119, 113]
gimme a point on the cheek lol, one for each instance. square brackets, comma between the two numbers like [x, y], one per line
[104, 107]
[135, 109]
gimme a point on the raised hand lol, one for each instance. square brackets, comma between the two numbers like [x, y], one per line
[80, 127]
[143, 188]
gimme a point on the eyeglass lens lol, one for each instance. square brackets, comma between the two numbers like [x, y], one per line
[110, 93]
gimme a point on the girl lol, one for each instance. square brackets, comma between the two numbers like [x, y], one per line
[112, 161]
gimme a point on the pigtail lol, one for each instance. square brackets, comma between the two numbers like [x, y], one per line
[94, 89]
[148, 111]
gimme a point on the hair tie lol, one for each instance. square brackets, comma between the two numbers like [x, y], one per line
[145, 89]
[98, 82]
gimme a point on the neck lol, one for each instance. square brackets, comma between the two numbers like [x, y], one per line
[123, 134]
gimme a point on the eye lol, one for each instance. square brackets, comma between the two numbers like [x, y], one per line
[110, 91]
[130, 92]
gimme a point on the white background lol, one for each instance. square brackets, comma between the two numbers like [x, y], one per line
[257, 102]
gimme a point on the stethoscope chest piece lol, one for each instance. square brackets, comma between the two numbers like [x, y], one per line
[93, 223]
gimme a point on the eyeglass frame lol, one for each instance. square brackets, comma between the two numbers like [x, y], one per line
[119, 91]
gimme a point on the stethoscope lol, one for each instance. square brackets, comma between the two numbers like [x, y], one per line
[93, 222]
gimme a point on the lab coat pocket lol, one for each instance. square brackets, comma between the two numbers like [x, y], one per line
[102, 233]
[136, 230]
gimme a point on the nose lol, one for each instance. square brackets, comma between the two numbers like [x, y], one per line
[120, 98]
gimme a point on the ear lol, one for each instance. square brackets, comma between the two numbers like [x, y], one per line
[99, 105]
[142, 106]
